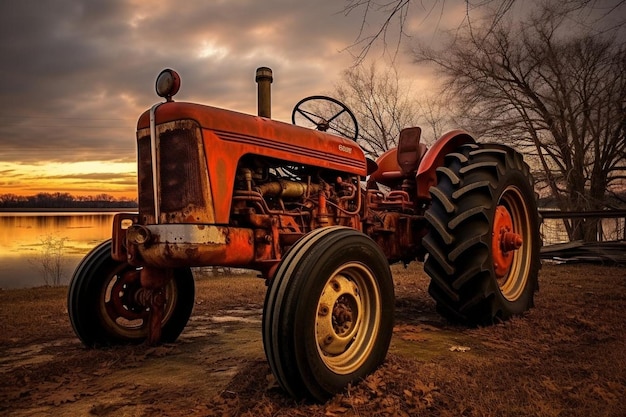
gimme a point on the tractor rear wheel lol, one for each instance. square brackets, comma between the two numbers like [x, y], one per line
[483, 244]
[328, 314]
[105, 307]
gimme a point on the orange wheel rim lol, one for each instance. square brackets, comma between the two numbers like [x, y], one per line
[504, 241]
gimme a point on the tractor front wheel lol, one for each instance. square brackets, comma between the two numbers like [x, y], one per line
[483, 244]
[328, 315]
[107, 304]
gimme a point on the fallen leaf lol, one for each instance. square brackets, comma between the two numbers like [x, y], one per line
[460, 349]
[59, 398]
[335, 410]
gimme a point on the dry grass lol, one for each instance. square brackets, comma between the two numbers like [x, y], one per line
[566, 357]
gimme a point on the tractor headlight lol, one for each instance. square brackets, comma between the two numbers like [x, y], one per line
[167, 84]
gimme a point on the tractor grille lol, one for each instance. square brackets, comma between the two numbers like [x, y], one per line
[144, 179]
[182, 174]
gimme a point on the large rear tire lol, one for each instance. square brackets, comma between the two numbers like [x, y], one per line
[483, 245]
[328, 314]
[103, 304]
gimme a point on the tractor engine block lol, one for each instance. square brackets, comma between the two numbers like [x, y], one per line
[300, 199]
[292, 201]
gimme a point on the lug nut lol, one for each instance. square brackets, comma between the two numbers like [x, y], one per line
[323, 310]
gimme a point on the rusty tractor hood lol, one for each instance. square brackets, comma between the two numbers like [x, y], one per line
[248, 134]
[227, 136]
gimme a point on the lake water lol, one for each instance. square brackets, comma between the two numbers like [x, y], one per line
[21, 236]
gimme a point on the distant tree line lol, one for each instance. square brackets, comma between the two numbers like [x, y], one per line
[64, 201]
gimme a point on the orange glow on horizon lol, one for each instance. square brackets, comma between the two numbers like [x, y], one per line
[87, 178]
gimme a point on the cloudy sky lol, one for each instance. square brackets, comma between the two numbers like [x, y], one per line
[76, 74]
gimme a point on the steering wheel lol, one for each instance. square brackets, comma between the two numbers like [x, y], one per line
[327, 115]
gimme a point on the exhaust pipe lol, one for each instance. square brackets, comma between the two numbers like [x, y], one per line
[264, 91]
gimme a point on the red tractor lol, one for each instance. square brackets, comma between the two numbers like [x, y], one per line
[319, 221]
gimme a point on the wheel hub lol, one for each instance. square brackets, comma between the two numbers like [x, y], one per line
[504, 241]
[338, 315]
[121, 300]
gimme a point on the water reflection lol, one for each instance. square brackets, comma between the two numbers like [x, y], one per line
[21, 236]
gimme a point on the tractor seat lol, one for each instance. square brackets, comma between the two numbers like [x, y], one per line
[400, 162]
[410, 150]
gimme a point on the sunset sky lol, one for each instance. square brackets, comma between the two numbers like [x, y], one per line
[76, 74]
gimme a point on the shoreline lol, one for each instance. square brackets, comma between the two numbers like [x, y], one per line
[71, 210]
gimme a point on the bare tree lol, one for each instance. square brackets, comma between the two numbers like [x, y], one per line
[393, 14]
[388, 18]
[558, 95]
[51, 259]
[395, 11]
[436, 114]
[382, 106]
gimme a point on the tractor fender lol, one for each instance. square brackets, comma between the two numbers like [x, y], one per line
[433, 158]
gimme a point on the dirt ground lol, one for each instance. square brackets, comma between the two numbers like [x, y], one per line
[566, 357]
